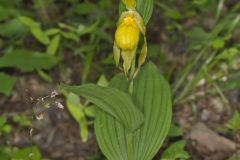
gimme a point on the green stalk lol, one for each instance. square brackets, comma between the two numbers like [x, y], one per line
[130, 146]
[130, 135]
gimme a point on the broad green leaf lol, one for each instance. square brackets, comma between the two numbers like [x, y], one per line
[151, 94]
[176, 151]
[7, 83]
[27, 60]
[145, 8]
[111, 135]
[113, 101]
[54, 44]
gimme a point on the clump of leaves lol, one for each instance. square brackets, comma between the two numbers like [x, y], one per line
[176, 151]
[4, 127]
[11, 152]
[233, 123]
[128, 126]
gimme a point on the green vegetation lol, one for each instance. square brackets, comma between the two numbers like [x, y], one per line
[183, 69]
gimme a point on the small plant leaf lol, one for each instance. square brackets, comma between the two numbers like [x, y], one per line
[22, 120]
[54, 44]
[13, 27]
[85, 8]
[40, 35]
[233, 123]
[76, 109]
[175, 131]
[3, 121]
[35, 29]
[27, 60]
[28, 22]
[7, 83]
[176, 151]
[27, 153]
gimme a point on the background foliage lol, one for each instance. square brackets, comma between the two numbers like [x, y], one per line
[195, 45]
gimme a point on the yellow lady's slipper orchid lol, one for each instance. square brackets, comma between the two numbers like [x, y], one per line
[127, 34]
[129, 27]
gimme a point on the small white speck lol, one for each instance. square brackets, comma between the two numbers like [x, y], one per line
[54, 94]
[224, 78]
[202, 82]
[31, 132]
[59, 105]
[31, 155]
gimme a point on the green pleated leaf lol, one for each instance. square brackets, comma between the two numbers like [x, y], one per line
[151, 94]
[144, 7]
[110, 134]
[113, 101]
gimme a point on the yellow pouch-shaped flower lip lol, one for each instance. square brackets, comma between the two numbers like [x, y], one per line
[127, 34]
